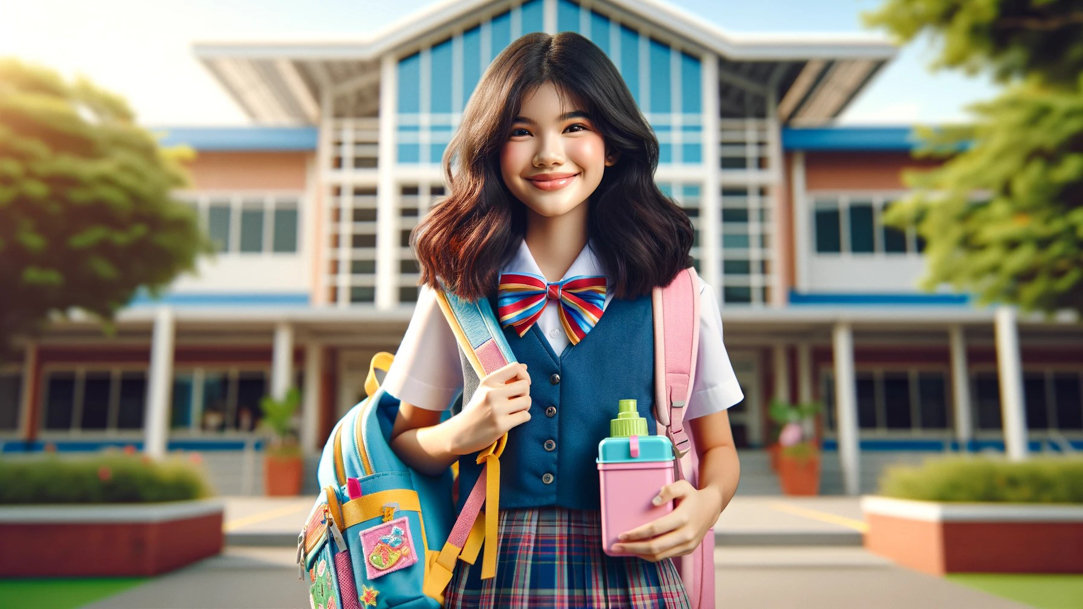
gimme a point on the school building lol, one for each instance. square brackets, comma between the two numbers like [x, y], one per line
[311, 209]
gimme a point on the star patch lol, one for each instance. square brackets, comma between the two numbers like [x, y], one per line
[368, 596]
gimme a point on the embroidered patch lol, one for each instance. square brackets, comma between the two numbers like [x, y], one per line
[368, 596]
[322, 591]
[388, 547]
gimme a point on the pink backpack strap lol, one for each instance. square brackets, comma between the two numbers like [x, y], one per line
[676, 345]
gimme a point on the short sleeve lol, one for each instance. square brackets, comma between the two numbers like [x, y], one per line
[715, 386]
[426, 371]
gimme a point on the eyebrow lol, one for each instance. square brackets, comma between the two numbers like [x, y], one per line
[563, 117]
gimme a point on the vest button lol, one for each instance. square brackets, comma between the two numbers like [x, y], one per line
[547, 478]
[551, 411]
[555, 379]
[550, 445]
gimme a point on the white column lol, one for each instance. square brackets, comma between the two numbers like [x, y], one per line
[802, 228]
[160, 384]
[960, 387]
[310, 411]
[26, 403]
[846, 406]
[781, 365]
[1010, 371]
[387, 239]
[779, 294]
[804, 373]
[710, 240]
[282, 363]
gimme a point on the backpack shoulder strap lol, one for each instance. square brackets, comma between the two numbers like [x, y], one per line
[479, 335]
[676, 345]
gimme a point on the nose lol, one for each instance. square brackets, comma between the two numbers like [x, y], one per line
[549, 153]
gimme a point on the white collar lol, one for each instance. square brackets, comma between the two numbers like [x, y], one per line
[586, 263]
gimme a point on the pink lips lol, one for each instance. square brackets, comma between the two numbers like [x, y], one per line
[552, 181]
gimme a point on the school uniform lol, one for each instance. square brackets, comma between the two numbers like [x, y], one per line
[550, 533]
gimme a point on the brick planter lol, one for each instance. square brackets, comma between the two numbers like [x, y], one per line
[939, 538]
[108, 540]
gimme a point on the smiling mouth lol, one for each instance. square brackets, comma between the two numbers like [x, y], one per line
[552, 184]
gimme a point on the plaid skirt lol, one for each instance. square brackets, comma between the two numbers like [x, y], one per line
[552, 557]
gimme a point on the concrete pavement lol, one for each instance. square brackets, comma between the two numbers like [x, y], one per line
[773, 552]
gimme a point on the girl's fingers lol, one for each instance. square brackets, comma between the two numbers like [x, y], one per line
[675, 543]
[654, 528]
[677, 490]
[509, 373]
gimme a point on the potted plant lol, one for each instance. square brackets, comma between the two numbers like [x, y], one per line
[282, 466]
[799, 452]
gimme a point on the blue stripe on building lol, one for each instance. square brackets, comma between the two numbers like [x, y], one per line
[240, 139]
[843, 299]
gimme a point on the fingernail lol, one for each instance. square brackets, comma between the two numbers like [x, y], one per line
[657, 500]
[622, 536]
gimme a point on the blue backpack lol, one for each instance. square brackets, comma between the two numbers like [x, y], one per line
[381, 533]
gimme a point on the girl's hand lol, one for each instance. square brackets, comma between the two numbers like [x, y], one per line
[502, 401]
[678, 532]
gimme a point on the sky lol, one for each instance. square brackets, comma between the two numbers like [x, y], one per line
[143, 49]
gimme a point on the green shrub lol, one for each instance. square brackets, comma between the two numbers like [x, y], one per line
[104, 478]
[982, 479]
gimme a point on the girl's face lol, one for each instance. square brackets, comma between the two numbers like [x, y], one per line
[553, 158]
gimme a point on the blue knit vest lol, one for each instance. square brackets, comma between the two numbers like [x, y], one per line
[550, 459]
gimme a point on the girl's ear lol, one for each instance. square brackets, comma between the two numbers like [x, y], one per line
[611, 158]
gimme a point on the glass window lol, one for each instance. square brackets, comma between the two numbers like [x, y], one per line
[251, 387]
[932, 396]
[897, 400]
[363, 240]
[362, 294]
[218, 219]
[661, 87]
[599, 29]
[96, 386]
[629, 59]
[285, 227]
[133, 396]
[59, 400]
[829, 400]
[735, 216]
[987, 400]
[215, 401]
[861, 228]
[11, 388]
[691, 96]
[567, 16]
[736, 241]
[1034, 395]
[183, 390]
[894, 239]
[440, 81]
[737, 267]
[1067, 396]
[471, 65]
[252, 227]
[737, 294]
[828, 239]
[866, 401]
[500, 33]
[410, 84]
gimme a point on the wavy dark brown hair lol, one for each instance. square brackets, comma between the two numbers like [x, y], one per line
[641, 237]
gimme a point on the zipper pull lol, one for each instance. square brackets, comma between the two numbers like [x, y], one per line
[301, 556]
[339, 541]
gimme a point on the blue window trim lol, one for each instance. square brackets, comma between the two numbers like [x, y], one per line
[224, 299]
[847, 299]
[240, 139]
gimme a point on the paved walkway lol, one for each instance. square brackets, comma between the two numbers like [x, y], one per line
[773, 552]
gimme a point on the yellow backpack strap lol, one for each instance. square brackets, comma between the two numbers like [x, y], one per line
[381, 361]
[340, 467]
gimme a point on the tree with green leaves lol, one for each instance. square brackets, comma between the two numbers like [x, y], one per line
[1003, 214]
[87, 215]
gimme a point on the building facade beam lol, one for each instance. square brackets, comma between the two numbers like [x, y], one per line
[1010, 372]
[960, 387]
[159, 384]
[846, 406]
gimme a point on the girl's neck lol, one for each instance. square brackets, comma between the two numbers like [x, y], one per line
[556, 242]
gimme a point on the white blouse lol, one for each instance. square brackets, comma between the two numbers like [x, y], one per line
[427, 371]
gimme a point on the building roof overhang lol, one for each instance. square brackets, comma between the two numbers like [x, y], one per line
[812, 77]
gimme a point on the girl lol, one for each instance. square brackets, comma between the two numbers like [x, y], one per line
[551, 175]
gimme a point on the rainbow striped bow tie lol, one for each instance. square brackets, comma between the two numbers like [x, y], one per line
[523, 298]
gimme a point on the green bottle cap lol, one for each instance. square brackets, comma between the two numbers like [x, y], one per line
[628, 422]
